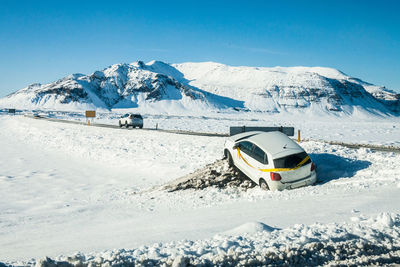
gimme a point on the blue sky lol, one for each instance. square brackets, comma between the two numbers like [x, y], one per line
[42, 41]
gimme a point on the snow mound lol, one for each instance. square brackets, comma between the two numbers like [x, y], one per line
[385, 220]
[249, 228]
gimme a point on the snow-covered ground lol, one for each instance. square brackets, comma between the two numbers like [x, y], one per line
[68, 188]
[361, 129]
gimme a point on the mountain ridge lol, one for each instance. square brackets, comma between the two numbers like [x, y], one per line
[209, 86]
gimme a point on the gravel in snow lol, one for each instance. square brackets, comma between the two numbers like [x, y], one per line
[217, 174]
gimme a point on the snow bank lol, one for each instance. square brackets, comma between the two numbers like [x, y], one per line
[374, 240]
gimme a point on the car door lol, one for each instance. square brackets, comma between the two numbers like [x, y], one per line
[261, 163]
[254, 161]
[243, 158]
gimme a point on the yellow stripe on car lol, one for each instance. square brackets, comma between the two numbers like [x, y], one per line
[239, 155]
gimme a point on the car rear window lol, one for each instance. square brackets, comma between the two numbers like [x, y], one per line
[259, 155]
[291, 161]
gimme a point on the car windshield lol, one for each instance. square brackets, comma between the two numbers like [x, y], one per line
[291, 161]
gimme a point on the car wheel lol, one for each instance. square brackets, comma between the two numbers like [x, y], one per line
[120, 124]
[230, 160]
[263, 184]
[141, 126]
[126, 125]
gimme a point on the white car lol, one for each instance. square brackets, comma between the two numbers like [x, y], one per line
[271, 159]
[129, 119]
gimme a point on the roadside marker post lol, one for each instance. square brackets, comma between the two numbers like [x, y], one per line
[298, 136]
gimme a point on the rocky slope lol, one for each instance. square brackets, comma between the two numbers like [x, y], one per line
[278, 89]
[209, 86]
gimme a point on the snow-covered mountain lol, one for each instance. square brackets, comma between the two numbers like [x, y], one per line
[209, 86]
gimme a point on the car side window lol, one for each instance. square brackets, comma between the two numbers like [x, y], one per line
[246, 147]
[259, 155]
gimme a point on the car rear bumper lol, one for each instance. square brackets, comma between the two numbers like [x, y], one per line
[309, 180]
[131, 123]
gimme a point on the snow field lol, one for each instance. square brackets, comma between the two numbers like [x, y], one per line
[357, 129]
[160, 156]
[69, 188]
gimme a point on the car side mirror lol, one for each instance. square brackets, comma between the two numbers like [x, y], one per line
[235, 146]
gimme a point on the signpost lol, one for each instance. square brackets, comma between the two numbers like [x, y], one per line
[90, 114]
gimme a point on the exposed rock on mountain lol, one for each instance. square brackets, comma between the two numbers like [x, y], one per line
[210, 86]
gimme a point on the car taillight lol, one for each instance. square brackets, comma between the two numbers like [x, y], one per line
[312, 166]
[275, 176]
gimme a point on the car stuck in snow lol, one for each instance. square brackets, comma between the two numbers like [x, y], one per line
[270, 159]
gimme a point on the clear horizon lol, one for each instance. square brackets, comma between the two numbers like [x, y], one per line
[43, 41]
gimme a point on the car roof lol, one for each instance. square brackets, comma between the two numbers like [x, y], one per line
[276, 143]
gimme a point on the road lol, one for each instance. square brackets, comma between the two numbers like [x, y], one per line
[349, 145]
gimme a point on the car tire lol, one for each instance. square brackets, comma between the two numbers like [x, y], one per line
[120, 124]
[263, 184]
[126, 125]
[141, 126]
[230, 160]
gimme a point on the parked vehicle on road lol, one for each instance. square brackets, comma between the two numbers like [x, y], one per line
[129, 119]
[271, 159]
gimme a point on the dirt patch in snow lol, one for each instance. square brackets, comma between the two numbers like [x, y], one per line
[217, 174]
